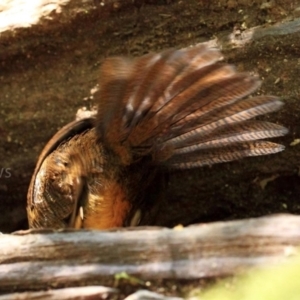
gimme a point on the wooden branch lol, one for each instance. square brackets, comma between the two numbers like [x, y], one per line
[37, 259]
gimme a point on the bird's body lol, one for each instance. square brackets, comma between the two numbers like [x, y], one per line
[177, 109]
[97, 191]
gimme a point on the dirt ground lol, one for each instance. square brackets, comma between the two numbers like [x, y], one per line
[46, 75]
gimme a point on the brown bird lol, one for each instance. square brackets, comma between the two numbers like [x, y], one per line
[176, 109]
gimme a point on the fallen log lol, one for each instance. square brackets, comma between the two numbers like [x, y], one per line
[40, 259]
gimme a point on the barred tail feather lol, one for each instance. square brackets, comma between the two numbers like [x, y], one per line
[219, 118]
[237, 133]
[224, 154]
[183, 108]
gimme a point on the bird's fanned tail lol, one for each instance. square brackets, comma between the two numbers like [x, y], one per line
[184, 108]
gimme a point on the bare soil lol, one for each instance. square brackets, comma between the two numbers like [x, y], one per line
[48, 70]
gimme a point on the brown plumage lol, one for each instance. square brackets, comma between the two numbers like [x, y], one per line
[176, 109]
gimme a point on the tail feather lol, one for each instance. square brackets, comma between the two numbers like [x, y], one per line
[236, 133]
[114, 79]
[224, 154]
[184, 108]
[208, 102]
[222, 117]
[179, 99]
[161, 75]
[224, 93]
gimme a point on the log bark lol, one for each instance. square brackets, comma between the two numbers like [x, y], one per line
[37, 259]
